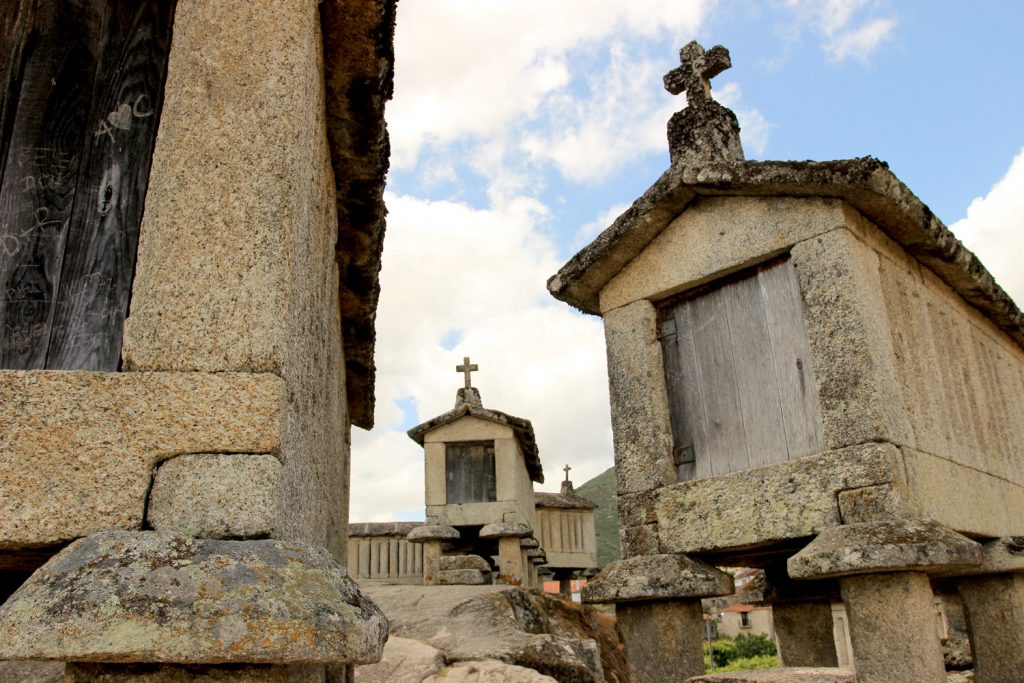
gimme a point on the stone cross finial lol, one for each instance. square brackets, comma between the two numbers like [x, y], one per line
[566, 470]
[466, 369]
[696, 70]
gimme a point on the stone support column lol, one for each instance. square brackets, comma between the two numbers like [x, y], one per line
[994, 607]
[881, 567]
[893, 628]
[511, 566]
[801, 614]
[663, 639]
[432, 536]
[657, 601]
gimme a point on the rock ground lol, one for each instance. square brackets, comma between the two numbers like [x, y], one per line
[479, 631]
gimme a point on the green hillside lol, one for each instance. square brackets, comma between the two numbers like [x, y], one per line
[601, 490]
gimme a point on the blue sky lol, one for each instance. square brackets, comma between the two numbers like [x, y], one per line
[521, 128]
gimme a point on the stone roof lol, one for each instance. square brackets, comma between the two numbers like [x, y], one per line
[522, 428]
[356, 529]
[562, 500]
[866, 183]
[358, 75]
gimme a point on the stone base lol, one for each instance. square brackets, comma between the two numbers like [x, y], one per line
[804, 633]
[994, 607]
[460, 577]
[147, 596]
[783, 675]
[663, 639]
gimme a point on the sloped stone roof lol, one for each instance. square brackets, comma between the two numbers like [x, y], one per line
[866, 183]
[522, 428]
[358, 75]
[562, 500]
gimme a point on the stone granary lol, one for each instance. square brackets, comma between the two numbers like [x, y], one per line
[566, 531]
[181, 465]
[479, 469]
[811, 375]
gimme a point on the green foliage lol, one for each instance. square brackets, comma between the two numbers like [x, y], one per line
[745, 653]
[601, 490]
[754, 645]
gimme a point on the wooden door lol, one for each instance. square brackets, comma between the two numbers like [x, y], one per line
[738, 371]
[469, 472]
[81, 85]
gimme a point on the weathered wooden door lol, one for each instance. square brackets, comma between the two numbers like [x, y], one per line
[81, 85]
[469, 472]
[738, 371]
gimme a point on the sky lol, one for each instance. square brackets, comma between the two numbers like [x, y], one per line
[522, 128]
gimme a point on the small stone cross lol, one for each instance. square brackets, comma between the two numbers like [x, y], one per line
[566, 470]
[466, 369]
[697, 68]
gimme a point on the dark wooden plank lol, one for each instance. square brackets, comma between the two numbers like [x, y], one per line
[686, 409]
[95, 283]
[490, 476]
[758, 387]
[791, 357]
[16, 20]
[726, 443]
[37, 194]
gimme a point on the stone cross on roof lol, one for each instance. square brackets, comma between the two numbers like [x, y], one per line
[566, 470]
[696, 70]
[466, 369]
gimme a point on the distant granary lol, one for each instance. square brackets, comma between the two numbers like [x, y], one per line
[811, 375]
[484, 522]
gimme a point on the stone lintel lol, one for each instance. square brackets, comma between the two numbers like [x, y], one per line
[999, 556]
[887, 546]
[433, 532]
[77, 449]
[764, 505]
[656, 578]
[216, 495]
[503, 529]
[148, 596]
[465, 562]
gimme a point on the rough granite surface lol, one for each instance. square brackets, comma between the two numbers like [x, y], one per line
[81, 672]
[758, 506]
[488, 671]
[77, 449]
[663, 640]
[210, 495]
[460, 577]
[657, 577]
[505, 529]
[433, 532]
[893, 545]
[155, 597]
[404, 661]
[465, 562]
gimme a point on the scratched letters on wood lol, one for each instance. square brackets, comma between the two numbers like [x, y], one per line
[82, 85]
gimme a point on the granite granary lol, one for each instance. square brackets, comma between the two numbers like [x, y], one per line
[174, 474]
[809, 374]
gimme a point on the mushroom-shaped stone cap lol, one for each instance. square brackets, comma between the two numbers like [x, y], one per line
[504, 529]
[432, 532]
[529, 543]
[537, 556]
[890, 545]
[656, 577]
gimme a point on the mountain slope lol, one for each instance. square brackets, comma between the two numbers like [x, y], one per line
[601, 490]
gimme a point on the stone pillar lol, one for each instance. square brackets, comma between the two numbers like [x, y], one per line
[881, 570]
[804, 632]
[432, 537]
[511, 568]
[893, 628]
[801, 614]
[664, 640]
[657, 601]
[994, 607]
[565, 586]
[513, 565]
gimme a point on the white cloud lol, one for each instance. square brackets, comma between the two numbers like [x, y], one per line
[467, 70]
[481, 273]
[860, 43]
[994, 229]
[846, 32]
[754, 127]
[588, 231]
